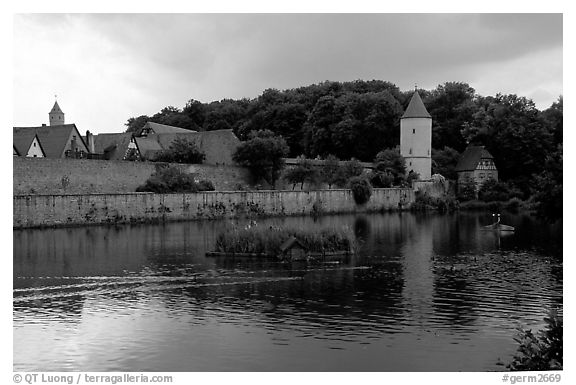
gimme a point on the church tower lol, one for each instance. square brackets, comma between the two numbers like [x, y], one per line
[56, 115]
[416, 138]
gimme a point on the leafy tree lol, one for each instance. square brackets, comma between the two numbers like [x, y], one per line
[349, 169]
[361, 189]
[513, 132]
[196, 112]
[353, 125]
[493, 190]
[233, 112]
[380, 179]
[451, 105]
[329, 171]
[390, 162]
[134, 124]
[263, 154]
[549, 187]
[553, 117]
[172, 116]
[303, 172]
[181, 150]
[444, 162]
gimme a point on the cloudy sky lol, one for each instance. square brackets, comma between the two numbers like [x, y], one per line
[106, 68]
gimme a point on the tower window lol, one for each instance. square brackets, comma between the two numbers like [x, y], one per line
[410, 163]
[413, 130]
[410, 151]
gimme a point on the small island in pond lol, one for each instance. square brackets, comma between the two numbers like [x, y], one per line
[287, 244]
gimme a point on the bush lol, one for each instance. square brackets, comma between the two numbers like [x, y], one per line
[492, 191]
[361, 189]
[171, 180]
[381, 179]
[543, 351]
[349, 169]
[423, 202]
[466, 190]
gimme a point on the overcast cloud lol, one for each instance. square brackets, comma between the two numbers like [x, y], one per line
[106, 68]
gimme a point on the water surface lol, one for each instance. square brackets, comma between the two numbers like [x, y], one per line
[426, 293]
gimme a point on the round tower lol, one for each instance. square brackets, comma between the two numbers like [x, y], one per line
[416, 138]
[56, 115]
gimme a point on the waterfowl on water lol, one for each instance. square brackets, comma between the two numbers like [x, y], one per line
[498, 226]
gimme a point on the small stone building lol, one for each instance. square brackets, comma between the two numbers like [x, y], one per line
[476, 164]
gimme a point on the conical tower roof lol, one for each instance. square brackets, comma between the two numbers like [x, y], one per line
[56, 109]
[416, 108]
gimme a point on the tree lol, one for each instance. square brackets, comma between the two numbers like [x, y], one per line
[451, 105]
[303, 172]
[329, 171]
[181, 150]
[361, 189]
[263, 154]
[513, 131]
[493, 190]
[390, 162]
[549, 187]
[554, 117]
[444, 162]
[134, 124]
[349, 169]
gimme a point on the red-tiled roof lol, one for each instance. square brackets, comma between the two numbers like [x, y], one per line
[470, 158]
[416, 108]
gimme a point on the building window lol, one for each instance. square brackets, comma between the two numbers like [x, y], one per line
[410, 163]
[34, 144]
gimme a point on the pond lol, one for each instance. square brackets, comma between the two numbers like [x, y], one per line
[427, 292]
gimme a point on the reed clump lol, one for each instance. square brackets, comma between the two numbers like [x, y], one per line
[268, 240]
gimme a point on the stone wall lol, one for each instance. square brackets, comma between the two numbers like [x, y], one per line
[84, 176]
[66, 210]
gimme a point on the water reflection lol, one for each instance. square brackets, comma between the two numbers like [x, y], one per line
[427, 292]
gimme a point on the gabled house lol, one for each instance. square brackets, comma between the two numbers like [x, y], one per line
[146, 148]
[26, 143]
[57, 141]
[217, 145]
[476, 164]
[111, 146]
